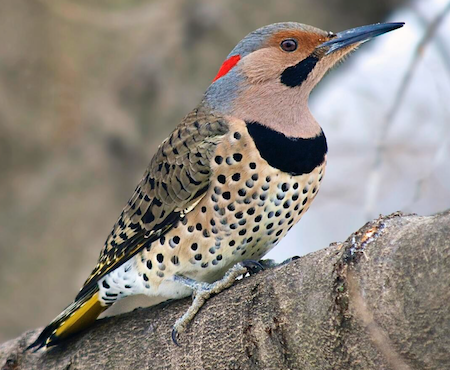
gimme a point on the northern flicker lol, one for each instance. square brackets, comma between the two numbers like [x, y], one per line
[229, 182]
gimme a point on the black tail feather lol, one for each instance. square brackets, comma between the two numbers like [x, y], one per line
[46, 338]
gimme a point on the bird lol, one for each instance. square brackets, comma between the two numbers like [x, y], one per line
[227, 184]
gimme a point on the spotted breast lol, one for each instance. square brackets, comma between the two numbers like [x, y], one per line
[262, 182]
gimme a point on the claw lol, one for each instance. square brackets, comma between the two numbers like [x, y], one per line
[202, 291]
[175, 337]
[252, 266]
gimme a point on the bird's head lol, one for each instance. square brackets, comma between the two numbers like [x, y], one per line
[270, 73]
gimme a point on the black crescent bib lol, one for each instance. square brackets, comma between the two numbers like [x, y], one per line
[295, 156]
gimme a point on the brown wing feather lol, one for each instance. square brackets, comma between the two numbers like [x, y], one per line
[178, 175]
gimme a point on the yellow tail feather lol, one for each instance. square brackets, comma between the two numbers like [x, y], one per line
[76, 317]
[80, 319]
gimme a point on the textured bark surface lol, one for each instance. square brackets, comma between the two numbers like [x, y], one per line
[378, 301]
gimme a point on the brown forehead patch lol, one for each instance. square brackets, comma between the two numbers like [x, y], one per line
[307, 41]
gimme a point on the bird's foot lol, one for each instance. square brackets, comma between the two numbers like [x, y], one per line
[202, 291]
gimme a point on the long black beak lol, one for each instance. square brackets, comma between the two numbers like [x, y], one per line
[358, 36]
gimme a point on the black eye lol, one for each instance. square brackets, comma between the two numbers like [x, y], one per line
[289, 45]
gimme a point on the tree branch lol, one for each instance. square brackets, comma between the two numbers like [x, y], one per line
[378, 301]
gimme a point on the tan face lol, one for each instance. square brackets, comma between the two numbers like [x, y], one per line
[269, 62]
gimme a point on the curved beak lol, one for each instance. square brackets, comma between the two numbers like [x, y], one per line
[358, 36]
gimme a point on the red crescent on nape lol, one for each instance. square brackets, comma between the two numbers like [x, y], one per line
[227, 65]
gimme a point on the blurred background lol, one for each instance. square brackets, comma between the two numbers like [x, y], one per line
[88, 91]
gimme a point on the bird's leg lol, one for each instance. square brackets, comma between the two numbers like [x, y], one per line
[269, 263]
[202, 291]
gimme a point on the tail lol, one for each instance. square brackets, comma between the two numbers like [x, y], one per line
[76, 317]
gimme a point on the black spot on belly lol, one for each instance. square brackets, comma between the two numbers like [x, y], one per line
[295, 156]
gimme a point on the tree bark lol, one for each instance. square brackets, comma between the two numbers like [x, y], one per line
[380, 300]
